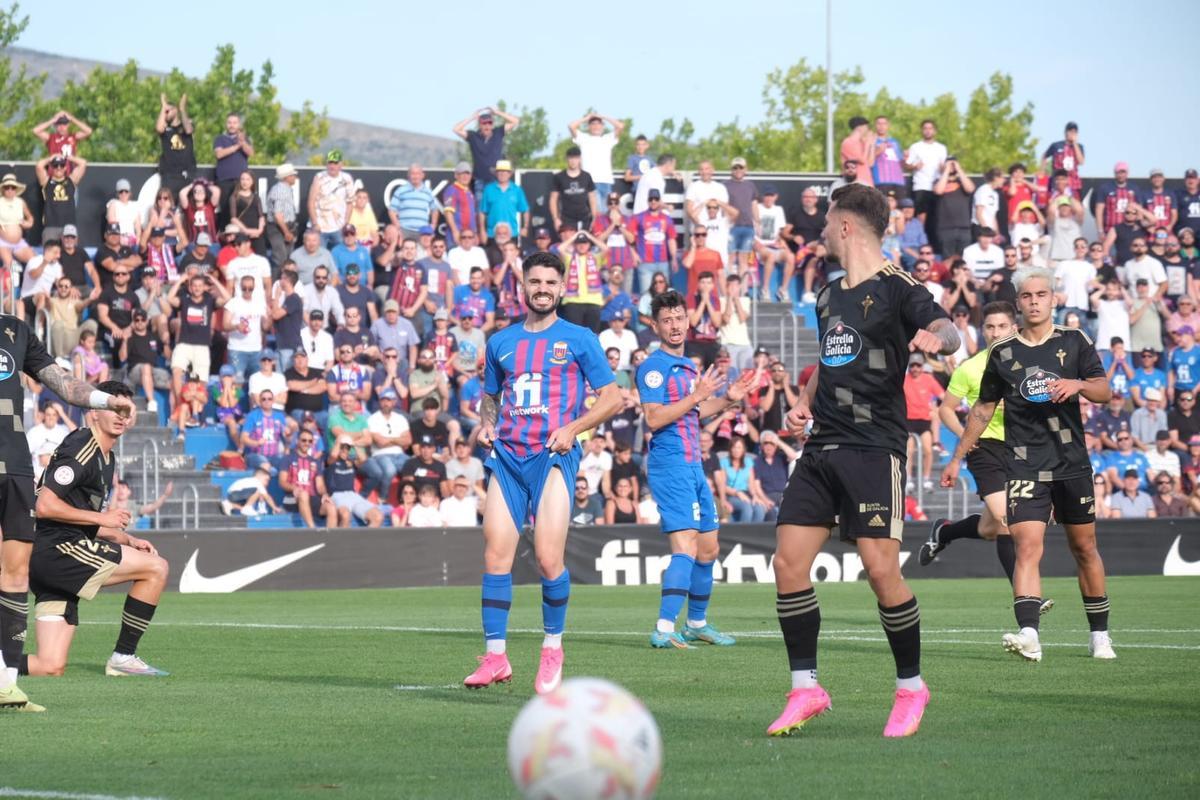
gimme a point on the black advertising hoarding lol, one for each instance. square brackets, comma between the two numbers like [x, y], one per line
[361, 558]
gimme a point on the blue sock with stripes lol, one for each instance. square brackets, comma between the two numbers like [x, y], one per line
[555, 594]
[699, 593]
[497, 600]
[675, 581]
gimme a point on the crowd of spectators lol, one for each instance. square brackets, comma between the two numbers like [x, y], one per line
[344, 358]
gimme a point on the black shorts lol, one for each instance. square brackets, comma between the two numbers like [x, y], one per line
[917, 426]
[17, 500]
[1072, 500]
[63, 573]
[859, 490]
[986, 463]
[923, 201]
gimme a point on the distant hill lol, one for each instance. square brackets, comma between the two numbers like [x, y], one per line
[370, 145]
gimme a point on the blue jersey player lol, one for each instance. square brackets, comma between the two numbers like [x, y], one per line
[536, 379]
[675, 397]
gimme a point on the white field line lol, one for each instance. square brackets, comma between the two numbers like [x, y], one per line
[405, 687]
[10, 791]
[846, 635]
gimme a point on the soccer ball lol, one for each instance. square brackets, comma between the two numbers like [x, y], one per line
[588, 739]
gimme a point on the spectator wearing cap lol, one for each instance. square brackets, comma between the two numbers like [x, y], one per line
[423, 471]
[573, 201]
[306, 390]
[393, 331]
[354, 295]
[476, 300]
[859, 147]
[330, 198]
[1184, 362]
[503, 201]
[1114, 198]
[63, 141]
[268, 378]
[442, 343]
[232, 150]
[1109, 422]
[459, 207]
[281, 211]
[125, 213]
[654, 237]
[653, 180]
[1189, 203]
[1147, 376]
[192, 353]
[76, 263]
[1125, 458]
[412, 204]
[486, 143]
[743, 196]
[1067, 154]
[1131, 502]
[772, 233]
[954, 191]
[349, 251]
[59, 181]
[112, 256]
[596, 148]
[583, 295]
[141, 351]
[317, 342]
[1146, 421]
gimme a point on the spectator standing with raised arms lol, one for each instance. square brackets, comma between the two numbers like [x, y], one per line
[486, 143]
[596, 148]
[63, 142]
[177, 150]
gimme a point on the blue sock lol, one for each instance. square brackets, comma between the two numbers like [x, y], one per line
[674, 588]
[497, 600]
[555, 594]
[700, 591]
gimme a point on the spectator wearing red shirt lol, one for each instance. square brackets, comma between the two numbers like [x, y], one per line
[1019, 189]
[704, 317]
[699, 259]
[920, 391]
[63, 142]
[859, 146]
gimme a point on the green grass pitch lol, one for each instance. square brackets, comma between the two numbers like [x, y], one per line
[353, 694]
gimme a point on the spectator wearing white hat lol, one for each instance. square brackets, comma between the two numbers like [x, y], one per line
[15, 219]
[282, 202]
[125, 212]
[503, 201]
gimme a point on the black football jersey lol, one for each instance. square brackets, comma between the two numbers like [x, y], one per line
[20, 351]
[863, 334]
[1043, 440]
[81, 474]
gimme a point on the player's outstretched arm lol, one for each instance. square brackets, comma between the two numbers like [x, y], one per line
[977, 422]
[81, 393]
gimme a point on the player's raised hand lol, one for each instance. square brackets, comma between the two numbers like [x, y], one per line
[925, 342]
[707, 385]
[561, 441]
[950, 474]
[115, 518]
[739, 388]
[121, 405]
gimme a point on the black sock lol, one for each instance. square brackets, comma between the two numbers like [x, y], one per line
[1096, 609]
[1028, 611]
[963, 529]
[24, 668]
[1007, 553]
[134, 621]
[800, 621]
[902, 624]
[14, 619]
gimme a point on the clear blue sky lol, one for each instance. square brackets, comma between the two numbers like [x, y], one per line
[424, 66]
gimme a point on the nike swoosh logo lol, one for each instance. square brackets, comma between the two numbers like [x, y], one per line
[1175, 564]
[506, 355]
[192, 582]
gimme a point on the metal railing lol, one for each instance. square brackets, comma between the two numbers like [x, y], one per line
[153, 445]
[190, 489]
[966, 494]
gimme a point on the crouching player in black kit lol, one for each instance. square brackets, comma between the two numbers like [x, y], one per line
[1039, 373]
[79, 546]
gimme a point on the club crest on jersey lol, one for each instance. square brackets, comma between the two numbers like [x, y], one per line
[654, 379]
[8, 366]
[840, 346]
[1035, 389]
[559, 353]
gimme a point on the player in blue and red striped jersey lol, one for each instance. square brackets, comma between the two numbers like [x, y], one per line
[675, 397]
[537, 376]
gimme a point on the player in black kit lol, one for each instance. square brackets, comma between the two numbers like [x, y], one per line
[1039, 373]
[22, 352]
[82, 546]
[852, 470]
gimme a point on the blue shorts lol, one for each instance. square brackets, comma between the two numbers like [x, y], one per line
[522, 479]
[741, 238]
[684, 500]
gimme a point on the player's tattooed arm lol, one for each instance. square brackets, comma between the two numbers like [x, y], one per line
[977, 421]
[947, 335]
[489, 409]
[79, 393]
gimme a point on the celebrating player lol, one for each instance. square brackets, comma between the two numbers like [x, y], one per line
[986, 461]
[675, 397]
[81, 546]
[531, 414]
[852, 469]
[1039, 372]
[21, 351]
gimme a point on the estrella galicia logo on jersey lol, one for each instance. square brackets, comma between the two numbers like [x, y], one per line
[1035, 389]
[559, 353]
[840, 346]
[8, 365]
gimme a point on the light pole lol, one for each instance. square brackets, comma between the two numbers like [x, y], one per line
[829, 85]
